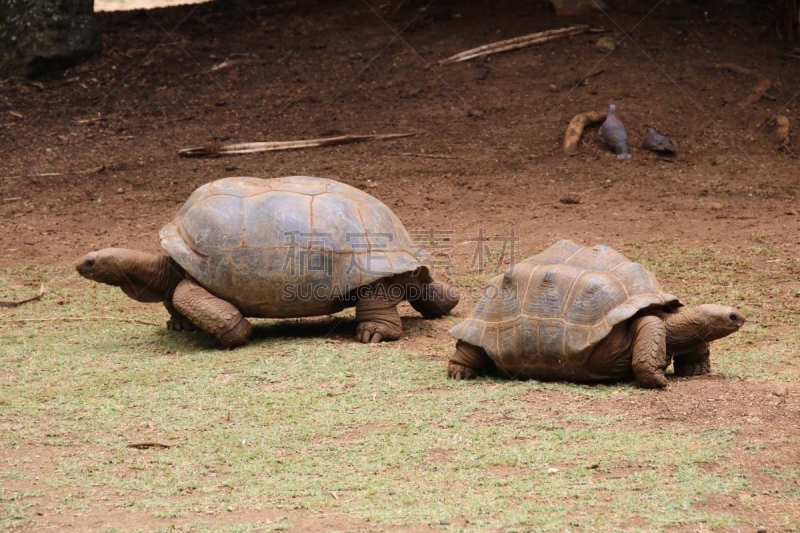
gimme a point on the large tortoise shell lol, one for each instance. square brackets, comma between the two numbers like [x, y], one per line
[287, 247]
[552, 309]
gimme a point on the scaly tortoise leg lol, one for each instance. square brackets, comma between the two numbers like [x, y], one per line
[211, 314]
[437, 299]
[376, 313]
[177, 322]
[649, 351]
[695, 362]
[469, 362]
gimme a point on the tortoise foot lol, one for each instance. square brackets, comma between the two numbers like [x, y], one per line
[371, 332]
[180, 323]
[696, 368]
[458, 371]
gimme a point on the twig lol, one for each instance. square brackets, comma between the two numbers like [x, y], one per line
[94, 119]
[431, 156]
[757, 91]
[149, 444]
[582, 81]
[576, 126]
[77, 318]
[95, 170]
[516, 42]
[256, 147]
[20, 302]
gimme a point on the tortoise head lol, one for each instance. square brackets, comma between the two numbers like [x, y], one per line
[143, 276]
[718, 321]
[108, 266]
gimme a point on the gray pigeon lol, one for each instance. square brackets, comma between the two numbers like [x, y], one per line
[613, 131]
[657, 142]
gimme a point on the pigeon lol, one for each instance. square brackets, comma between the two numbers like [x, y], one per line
[613, 131]
[657, 142]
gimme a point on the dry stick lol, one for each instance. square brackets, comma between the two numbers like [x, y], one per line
[94, 170]
[149, 444]
[20, 302]
[576, 126]
[762, 85]
[76, 318]
[516, 42]
[431, 156]
[256, 147]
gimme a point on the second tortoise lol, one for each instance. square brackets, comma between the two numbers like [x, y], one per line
[585, 313]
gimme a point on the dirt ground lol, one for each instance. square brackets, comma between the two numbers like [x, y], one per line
[88, 156]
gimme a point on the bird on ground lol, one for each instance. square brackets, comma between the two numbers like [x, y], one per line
[613, 131]
[657, 142]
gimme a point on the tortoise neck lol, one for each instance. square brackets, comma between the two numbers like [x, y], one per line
[151, 277]
[687, 328]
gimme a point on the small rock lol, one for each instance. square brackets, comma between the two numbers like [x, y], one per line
[761, 529]
[552, 471]
[791, 212]
[552, 88]
[17, 427]
[715, 206]
[120, 191]
[605, 44]
[593, 466]
[569, 200]
[780, 391]
[444, 522]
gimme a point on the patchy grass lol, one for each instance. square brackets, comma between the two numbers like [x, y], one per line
[373, 431]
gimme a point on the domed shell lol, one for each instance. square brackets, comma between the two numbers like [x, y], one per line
[551, 310]
[287, 247]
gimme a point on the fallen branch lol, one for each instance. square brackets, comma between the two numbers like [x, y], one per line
[256, 147]
[757, 91]
[149, 444]
[20, 302]
[576, 126]
[77, 318]
[516, 42]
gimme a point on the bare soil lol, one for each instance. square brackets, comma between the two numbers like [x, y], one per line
[487, 155]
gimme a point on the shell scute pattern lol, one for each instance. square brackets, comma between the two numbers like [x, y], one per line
[246, 239]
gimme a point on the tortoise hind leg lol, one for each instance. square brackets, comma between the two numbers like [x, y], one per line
[211, 314]
[376, 312]
[469, 362]
[649, 351]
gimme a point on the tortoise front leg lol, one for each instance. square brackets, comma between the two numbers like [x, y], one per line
[211, 314]
[693, 362]
[649, 351]
[177, 322]
[376, 313]
[469, 362]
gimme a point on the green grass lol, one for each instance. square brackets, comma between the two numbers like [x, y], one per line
[376, 432]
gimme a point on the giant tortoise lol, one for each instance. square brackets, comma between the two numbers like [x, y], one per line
[585, 313]
[278, 248]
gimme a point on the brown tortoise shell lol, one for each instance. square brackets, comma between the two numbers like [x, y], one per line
[287, 247]
[551, 310]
